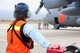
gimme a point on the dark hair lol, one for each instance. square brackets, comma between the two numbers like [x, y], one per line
[20, 15]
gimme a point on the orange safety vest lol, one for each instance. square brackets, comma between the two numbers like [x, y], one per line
[14, 43]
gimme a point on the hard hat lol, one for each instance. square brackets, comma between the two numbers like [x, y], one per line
[22, 7]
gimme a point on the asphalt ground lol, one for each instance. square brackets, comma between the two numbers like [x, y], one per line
[64, 37]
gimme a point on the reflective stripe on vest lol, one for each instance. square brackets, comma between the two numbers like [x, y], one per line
[16, 28]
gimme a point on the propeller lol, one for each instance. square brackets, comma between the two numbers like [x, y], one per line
[40, 6]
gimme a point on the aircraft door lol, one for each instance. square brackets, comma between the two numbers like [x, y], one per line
[56, 25]
[56, 20]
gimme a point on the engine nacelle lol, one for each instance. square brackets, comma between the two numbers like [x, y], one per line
[71, 11]
[51, 4]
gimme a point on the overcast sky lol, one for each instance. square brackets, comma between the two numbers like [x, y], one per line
[8, 5]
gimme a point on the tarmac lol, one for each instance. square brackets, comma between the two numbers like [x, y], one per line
[64, 37]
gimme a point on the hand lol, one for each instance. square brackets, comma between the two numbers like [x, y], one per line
[54, 46]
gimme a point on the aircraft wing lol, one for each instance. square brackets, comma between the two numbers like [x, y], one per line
[51, 4]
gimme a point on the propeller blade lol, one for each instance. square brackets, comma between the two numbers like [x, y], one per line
[39, 8]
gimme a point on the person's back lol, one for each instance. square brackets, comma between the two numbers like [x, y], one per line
[39, 24]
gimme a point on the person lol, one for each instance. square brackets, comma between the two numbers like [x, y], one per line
[39, 24]
[45, 24]
[21, 35]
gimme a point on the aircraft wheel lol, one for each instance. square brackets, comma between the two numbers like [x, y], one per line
[56, 26]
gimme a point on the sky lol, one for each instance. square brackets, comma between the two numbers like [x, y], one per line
[8, 5]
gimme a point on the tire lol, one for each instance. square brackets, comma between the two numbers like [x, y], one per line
[56, 26]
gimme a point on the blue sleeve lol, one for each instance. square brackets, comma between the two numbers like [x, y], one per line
[36, 36]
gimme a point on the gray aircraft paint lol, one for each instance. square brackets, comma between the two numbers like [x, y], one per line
[52, 4]
[71, 12]
[72, 21]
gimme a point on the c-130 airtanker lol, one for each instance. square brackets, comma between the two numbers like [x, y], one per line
[62, 12]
